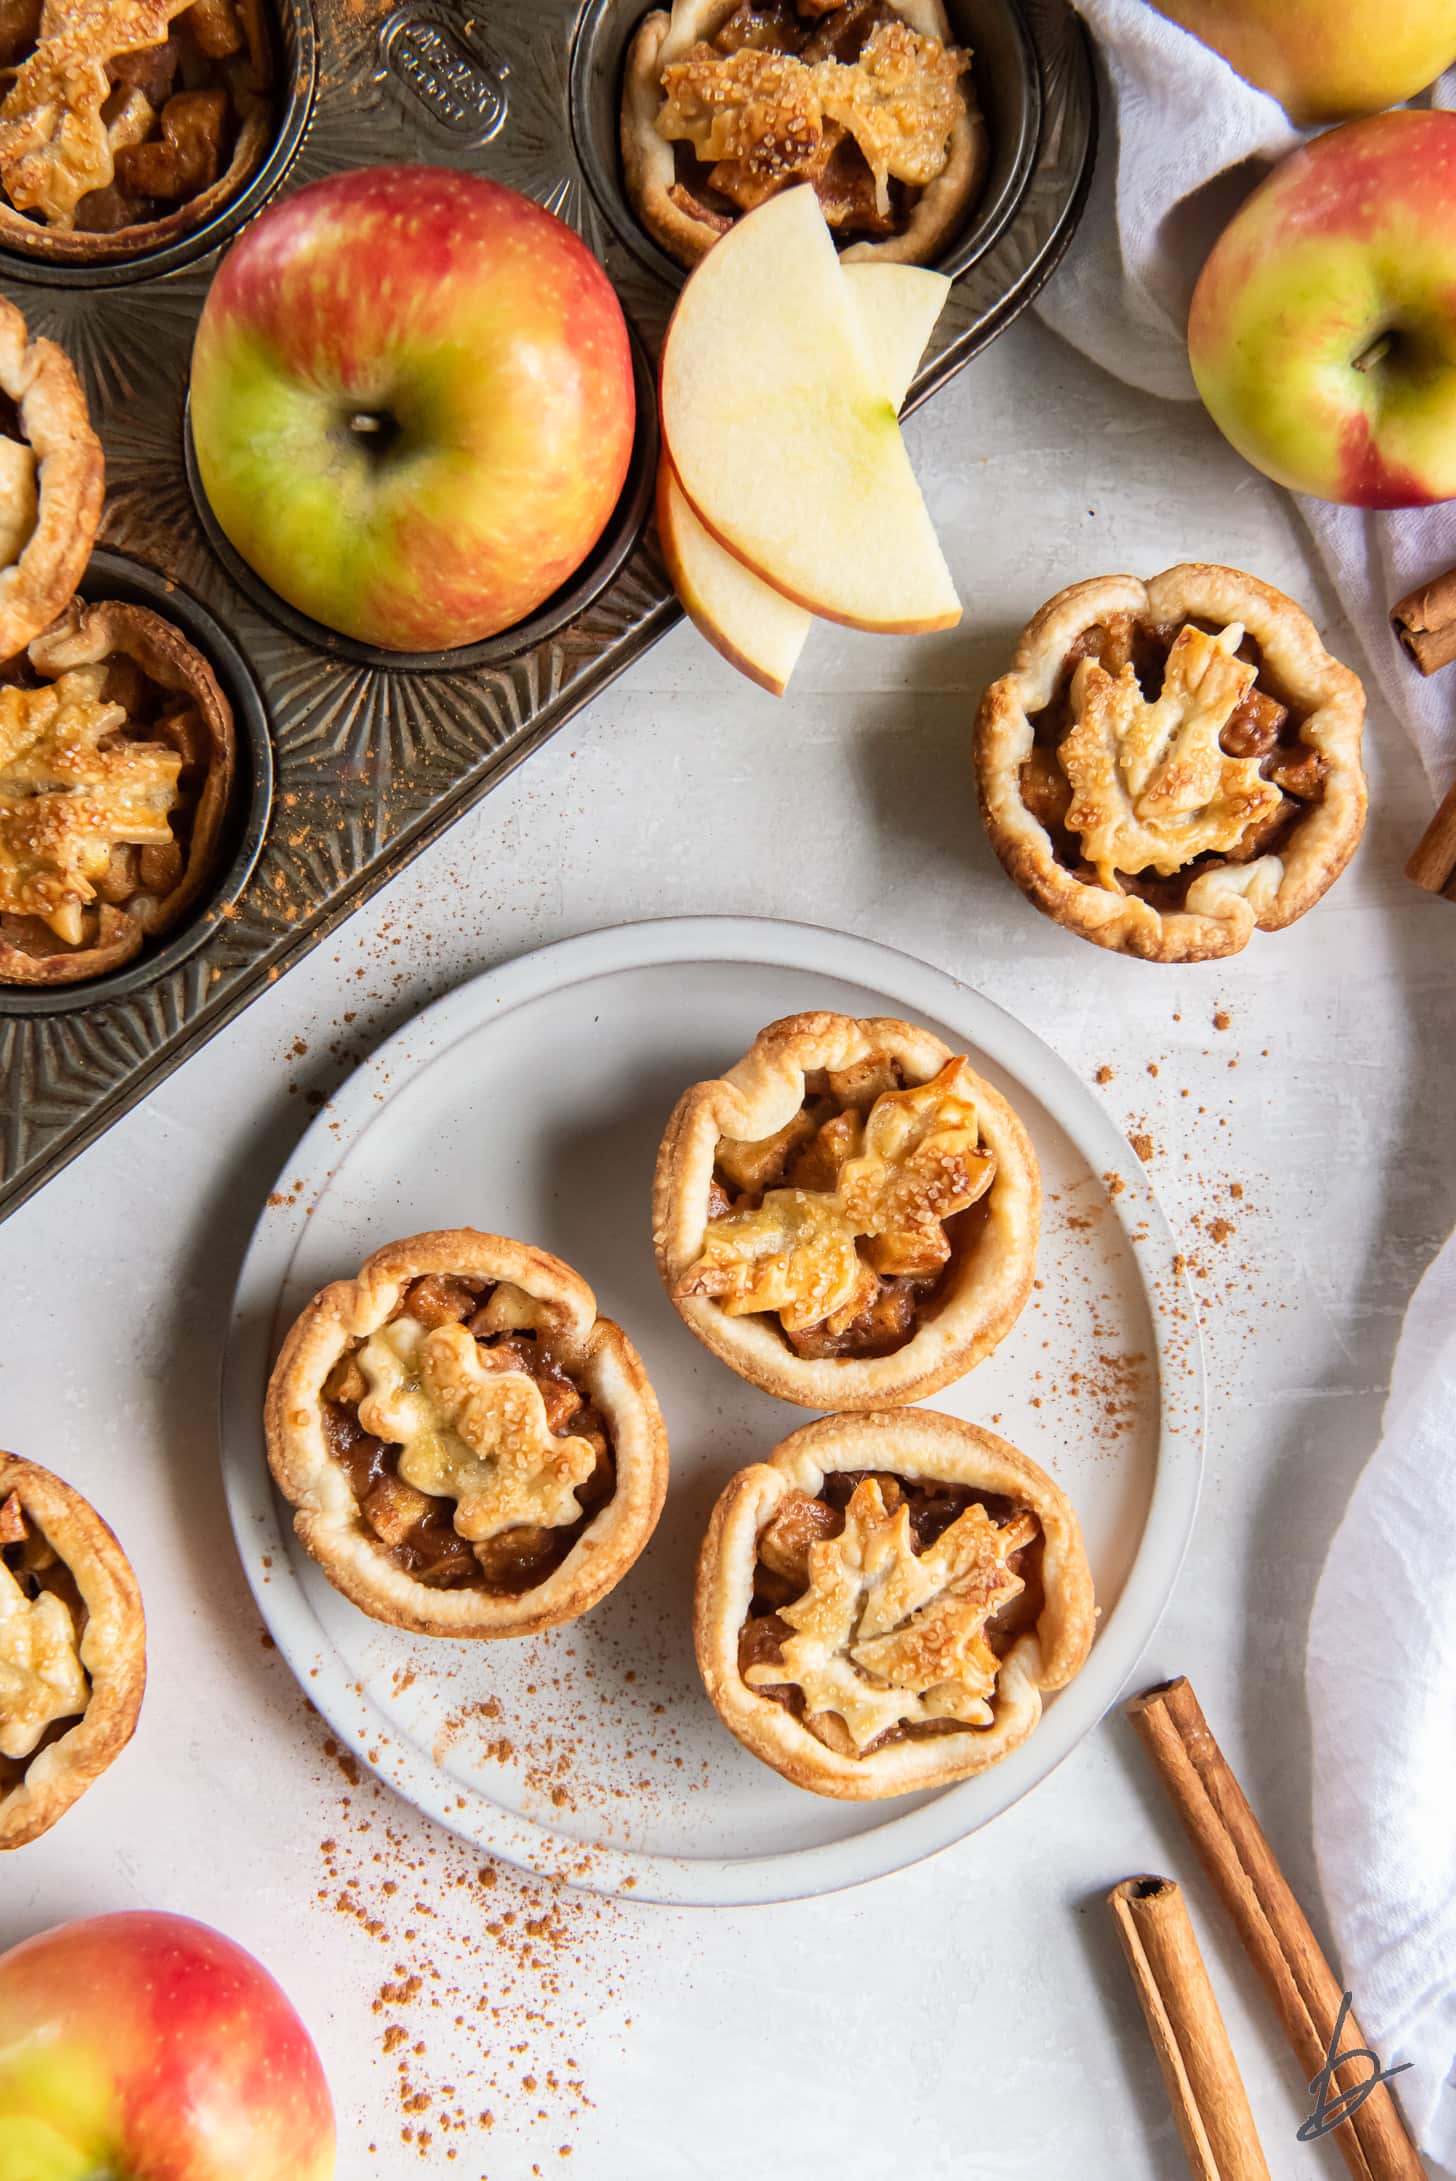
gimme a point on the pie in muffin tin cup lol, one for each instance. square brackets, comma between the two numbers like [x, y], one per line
[1003, 73]
[295, 83]
[624, 527]
[113, 576]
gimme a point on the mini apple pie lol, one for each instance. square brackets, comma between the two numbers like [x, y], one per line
[127, 123]
[73, 1657]
[884, 1603]
[849, 1216]
[116, 765]
[52, 479]
[1171, 765]
[728, 101]
[470, 1449]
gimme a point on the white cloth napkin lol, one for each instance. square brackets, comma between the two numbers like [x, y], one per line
[1186, 138]
[1382, 1689]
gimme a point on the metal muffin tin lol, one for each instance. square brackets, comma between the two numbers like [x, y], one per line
[373, 755]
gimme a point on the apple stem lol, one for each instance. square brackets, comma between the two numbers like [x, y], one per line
[1375, 352]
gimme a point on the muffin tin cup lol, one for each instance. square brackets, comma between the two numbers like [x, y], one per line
[113, 576]
[623, 531]
[293, 94]
[376, 752]
[1004, 74]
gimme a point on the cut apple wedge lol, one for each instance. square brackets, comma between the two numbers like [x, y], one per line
[784, 439]
[754, 626]
[897, 307]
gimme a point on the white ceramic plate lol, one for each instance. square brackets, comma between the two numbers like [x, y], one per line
[530, 1102]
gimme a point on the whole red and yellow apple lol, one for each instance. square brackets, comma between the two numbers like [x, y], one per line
[412, 404]
[1327, 60]
[1322, 333]
[143, 2047]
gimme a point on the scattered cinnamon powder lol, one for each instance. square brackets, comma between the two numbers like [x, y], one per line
[1222, 1019]
[1143, 1145]
[1104, 1073]
[486, 1982]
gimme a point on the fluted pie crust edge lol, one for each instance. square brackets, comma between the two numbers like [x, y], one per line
[327, 1518]
[112, 1649]
[1232, 904]
[913, 1443]
[987, 1286]
[647, 156]
[41, 381]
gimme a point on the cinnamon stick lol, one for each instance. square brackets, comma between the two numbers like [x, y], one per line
[1425, 623]
[1271, 1924]
[1205, 2088]
[1434, 863]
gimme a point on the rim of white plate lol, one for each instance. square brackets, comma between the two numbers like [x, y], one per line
[263, 1535]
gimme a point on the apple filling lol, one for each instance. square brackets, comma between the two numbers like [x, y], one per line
[103, 771]
[844, 1225]
[1164, 752]
[883, 1605]
[112, 123]
[846, 98]
[476, 1458]
[43, 1685]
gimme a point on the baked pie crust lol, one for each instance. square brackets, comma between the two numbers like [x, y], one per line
[849, 1216]
[116, 767]
[890, 138]
[127, 123]
[52, 479]
[884, 1603]
[1171, 765]
[469, 1448]
[72, 1649]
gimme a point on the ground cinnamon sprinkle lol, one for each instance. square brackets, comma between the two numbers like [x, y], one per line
[1104, 1073]
[487, 1978]
[1143, 1145]
[1222, 1019]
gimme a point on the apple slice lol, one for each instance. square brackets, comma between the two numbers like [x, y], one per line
[898, 306]
[784, 440]
[754, 626]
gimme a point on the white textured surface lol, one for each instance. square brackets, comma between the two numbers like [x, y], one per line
[971, 2017]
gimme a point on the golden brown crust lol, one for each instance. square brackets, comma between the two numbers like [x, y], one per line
[647, 157]
[112, 1648]
[1229, 901]
[38, 377]
[327, 1518]
[986, 1285]
[255, 134]
[84, 635]
[913, 1443]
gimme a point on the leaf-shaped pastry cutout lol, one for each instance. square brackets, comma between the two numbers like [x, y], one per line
[41, 1675]
[469, 1431]
[922, 1162]
[1152, 787]
[54, 146]
[888, 1182]
[794, 1253]
[885, 1636]
[71, 791]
